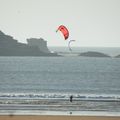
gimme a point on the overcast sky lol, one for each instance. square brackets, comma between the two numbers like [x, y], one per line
[90, 22]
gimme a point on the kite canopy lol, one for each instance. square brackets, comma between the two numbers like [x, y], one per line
[64, 31]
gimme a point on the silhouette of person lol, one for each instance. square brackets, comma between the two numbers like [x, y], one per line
[71, 98]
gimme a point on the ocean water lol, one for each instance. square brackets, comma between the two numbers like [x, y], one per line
[46, 83]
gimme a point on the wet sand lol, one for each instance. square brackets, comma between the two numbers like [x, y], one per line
[55, 117]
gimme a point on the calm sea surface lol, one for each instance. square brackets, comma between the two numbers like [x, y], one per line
[60, 74]
[58, 77]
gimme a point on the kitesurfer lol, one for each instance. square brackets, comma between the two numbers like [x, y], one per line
[71, 98]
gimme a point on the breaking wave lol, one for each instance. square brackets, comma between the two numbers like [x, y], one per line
[59, 96]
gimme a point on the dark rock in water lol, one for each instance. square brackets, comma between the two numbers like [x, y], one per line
[93, 54]
[118, 56]
[35, 47]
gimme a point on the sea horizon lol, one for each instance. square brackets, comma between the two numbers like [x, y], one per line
[112, 51]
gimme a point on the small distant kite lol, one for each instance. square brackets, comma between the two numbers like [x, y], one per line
[64, 31]
[69, 44]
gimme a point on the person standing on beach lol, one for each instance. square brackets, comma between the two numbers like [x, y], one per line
[71, 98]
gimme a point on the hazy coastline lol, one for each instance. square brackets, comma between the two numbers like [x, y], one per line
[38, 47]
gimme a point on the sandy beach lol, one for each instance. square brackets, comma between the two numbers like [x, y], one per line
[43, 117]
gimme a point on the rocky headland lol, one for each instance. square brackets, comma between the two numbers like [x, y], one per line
[34, 47]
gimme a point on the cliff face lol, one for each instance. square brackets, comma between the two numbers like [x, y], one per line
[11, 47]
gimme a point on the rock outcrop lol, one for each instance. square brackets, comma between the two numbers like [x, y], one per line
[40, 43]
[93, 54]
[118, 56]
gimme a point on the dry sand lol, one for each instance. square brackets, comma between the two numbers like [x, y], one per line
[48, 117]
